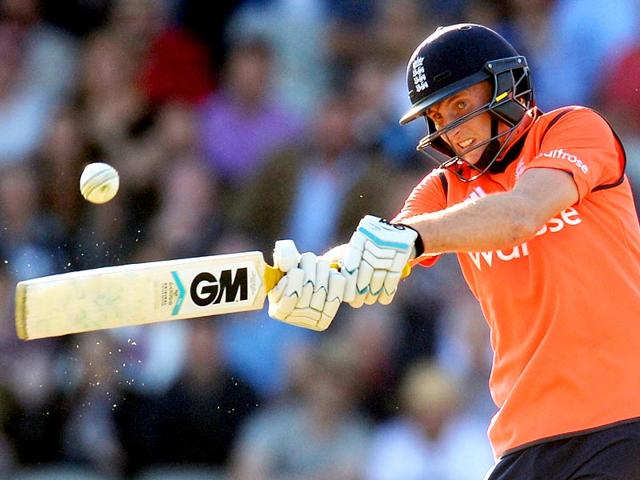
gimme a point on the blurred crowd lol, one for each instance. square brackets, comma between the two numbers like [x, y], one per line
[234, 124]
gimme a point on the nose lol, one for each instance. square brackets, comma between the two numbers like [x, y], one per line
[454, 132]
[449, 116]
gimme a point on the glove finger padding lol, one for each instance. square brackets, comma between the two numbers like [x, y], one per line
[305, 318]
[285, 255]
[378, 281]
[291, 289]
[351, 260]
[335, 294]
[358, 300]
[390, 288]
[322, 284]
[308, 265]
[365, 274]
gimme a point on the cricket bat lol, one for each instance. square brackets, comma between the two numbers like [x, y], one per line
[142, 293]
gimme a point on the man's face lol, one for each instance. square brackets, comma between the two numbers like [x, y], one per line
[470, 133]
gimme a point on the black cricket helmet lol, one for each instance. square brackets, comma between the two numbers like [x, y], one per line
[452, 59]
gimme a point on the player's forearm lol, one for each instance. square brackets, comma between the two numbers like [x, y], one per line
[492, 222]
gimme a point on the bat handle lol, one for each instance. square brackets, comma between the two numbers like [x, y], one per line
[272, 276]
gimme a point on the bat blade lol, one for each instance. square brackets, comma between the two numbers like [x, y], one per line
[142, 293]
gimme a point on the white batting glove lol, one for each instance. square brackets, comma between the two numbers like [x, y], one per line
[374, 259]
[310, 293]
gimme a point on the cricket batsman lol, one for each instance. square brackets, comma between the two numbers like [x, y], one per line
[540, 213]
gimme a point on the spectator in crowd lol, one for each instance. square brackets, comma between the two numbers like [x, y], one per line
[7, 412]
[78, 17]
[463, 344]
[525, 23]
[197, 419]
[317, 433]
[370, 79]
[91, 395]
[372, 119]
[374, 334]
[429, 438]
[170, 147]
[137, 23]
[173, 65]
[58, 164]
[119, 121]
[50, 54]
[188, 220]
[209, 22]
[242, 123]
[29, 249]
[8, 340]
[348, 23]
[396, 30]
[566, 72]
[33, 399]
[297, 31]
[24, 109]
[30, 236]
[619, 98]
[115, 112]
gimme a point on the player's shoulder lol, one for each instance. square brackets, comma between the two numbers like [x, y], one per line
[430, 194]
[572, 116]
[439, 177]
[433, 176]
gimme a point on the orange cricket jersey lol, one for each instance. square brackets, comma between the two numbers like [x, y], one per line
[564, 306]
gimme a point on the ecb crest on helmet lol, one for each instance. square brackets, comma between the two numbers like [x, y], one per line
[419, 77]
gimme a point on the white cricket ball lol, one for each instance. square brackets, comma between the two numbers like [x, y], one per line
[99, 182]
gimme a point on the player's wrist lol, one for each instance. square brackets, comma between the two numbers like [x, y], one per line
[418, 244]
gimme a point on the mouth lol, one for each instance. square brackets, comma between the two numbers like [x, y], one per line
[465, 144]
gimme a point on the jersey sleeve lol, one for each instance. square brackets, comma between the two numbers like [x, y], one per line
[428, 196]
[583, 144]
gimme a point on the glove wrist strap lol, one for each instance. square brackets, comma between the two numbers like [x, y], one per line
[419, 245]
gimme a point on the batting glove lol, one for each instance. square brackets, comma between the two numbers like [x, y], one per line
[310, 293]
[374, 260]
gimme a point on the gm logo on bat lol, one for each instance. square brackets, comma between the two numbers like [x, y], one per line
[207, 289]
